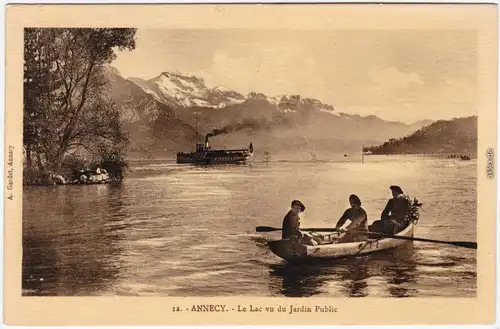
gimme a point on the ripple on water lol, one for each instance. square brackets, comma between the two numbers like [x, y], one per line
[190, 231]
[203, 247]
[157, 242]
[206, 193]
[142, 289]
[432, 269]
[204, 275]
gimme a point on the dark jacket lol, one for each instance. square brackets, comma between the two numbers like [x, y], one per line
[358, 217]
[396, 209]
[291, 224]
[359, 222]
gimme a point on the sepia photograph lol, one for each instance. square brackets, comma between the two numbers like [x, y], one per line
[153, 182]
[281, 162]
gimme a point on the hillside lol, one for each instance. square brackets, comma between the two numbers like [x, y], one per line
[159, 115]
[151, 124]
[452, 136]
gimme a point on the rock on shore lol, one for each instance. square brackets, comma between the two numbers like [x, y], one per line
[97, 176]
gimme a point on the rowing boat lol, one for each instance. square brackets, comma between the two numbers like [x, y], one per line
[291, 250]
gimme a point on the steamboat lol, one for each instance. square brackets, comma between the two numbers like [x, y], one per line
[205, 155]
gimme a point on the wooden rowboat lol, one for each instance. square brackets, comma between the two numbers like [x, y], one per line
[292, 251]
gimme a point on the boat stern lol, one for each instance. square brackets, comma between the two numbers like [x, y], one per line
[288, 249]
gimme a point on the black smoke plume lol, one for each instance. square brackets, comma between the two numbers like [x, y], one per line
[247, 123]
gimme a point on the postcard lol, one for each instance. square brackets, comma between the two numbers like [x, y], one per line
[257, 164]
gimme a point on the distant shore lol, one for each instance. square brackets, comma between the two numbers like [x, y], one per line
[450, 155]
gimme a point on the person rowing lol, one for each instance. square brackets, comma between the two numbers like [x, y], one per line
[394, 214]
[353, 222]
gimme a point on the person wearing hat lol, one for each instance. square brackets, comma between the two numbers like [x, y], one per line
[291, 226]
[291, 222]
[394, 214]
[353, 222]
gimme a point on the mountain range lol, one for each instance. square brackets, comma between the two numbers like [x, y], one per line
[161, 114]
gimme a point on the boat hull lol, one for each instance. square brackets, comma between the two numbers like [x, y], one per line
[293, 251]
[209, 158]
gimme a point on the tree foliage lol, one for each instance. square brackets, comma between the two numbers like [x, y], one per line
[444, 136]
[67, 107]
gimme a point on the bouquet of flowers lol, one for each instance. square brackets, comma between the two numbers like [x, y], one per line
[413, 210]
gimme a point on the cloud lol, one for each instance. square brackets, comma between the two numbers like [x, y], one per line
[394, 74]
[391, 79]
[273, 69]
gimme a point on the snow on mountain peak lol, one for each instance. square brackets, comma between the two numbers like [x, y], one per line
[181, 75]
[181, 90]
[184, 82]
[221, 89]
[329, 112]
[186, 90]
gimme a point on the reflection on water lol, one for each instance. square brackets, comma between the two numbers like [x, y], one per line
[173, 230]
[296, 280]
[70, 248]
[348, 277]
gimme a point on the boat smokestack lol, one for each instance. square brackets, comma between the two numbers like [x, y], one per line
[206, 140]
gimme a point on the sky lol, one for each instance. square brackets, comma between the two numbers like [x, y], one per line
[400, 75]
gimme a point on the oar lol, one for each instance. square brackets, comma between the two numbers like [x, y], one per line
[464, 244]
[272, 229]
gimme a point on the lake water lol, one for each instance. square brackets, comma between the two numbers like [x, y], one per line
[177, 230]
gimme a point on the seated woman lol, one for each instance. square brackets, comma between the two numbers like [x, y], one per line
[394, 214]
[353, 222]
[291, 225]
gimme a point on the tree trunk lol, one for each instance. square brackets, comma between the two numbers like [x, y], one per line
[39, 159]
[63, 147]
[29, 162]
[59, 160]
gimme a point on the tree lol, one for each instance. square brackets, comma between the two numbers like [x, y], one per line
[66, 102]
[39, 83]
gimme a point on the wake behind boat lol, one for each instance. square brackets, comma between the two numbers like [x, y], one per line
[291, 250]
